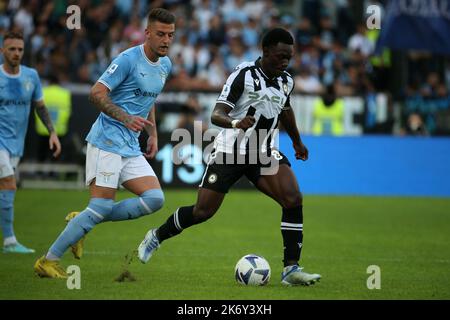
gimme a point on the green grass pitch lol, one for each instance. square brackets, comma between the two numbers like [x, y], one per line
[408, 238]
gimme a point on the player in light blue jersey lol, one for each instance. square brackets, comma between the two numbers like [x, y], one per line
[20, 87]
[125, 95]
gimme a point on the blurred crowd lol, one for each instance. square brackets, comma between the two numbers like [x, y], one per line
[212, 37]
[334, 47]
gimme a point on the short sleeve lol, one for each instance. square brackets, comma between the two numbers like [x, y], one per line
[117, 72]
[233, 88]
[37, 93]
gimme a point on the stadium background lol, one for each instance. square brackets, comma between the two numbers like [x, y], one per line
[394, 92]
[395, 123]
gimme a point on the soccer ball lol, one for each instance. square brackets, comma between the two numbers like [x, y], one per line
[252, 270]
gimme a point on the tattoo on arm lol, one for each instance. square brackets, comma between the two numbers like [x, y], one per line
[43, 114]
[105, 105]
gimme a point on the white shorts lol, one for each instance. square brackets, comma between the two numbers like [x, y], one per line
[111, 169]
[8, 164]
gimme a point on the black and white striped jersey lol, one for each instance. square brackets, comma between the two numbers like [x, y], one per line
[250, 92]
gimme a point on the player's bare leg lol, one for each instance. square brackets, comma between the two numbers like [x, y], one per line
[208, 202]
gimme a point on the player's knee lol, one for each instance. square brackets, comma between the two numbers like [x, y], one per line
[291, 199]
[153, 200]
[202, 214]
[8, 183]
[97, 210]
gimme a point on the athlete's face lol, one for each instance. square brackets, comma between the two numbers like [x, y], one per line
[13, 51]
[276, 58]
[159, 36]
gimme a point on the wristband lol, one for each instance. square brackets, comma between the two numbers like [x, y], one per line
[234, 123]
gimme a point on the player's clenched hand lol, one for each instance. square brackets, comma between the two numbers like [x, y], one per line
[246, 123]
[54, 144]
[301, 152]
[136, 123]
[152, 147]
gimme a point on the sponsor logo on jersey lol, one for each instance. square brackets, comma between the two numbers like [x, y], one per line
[7, 102]
[255, 96]
[138, 92]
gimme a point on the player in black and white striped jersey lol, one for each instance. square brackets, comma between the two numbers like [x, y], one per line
[249, 91]
[253, 100]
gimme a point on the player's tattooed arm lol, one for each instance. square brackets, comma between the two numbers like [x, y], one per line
[53, 141]
[43, 114]
[99, 96]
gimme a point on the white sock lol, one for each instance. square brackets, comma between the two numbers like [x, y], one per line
[50, 256]
[9, 241]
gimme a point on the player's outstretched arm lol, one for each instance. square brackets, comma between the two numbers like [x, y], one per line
[43, 114]
[287, 119]
[99, 97]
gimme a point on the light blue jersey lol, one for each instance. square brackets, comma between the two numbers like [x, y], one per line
[134, 82]
[16, 94]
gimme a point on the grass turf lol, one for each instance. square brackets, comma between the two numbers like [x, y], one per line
[408, 238]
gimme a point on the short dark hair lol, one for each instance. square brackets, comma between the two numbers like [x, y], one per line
[276, 35]
[13, 35]
[161, 15]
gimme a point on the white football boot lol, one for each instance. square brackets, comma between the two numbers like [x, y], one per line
[148, 246]
[293, 276]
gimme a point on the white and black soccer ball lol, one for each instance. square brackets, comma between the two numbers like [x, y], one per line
[252, 270]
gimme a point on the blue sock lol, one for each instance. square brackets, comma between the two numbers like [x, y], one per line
[96, 211]
[7, 212]
[150, 201]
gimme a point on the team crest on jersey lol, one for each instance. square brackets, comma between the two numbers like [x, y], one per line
[212, 178]
[285, 88]
[28, 85]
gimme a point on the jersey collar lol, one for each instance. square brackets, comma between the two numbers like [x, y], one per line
[259, 66]
[9, 75]
[269, 82]
[146, 58]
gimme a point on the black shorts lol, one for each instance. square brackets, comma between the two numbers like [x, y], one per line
[220, 175]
